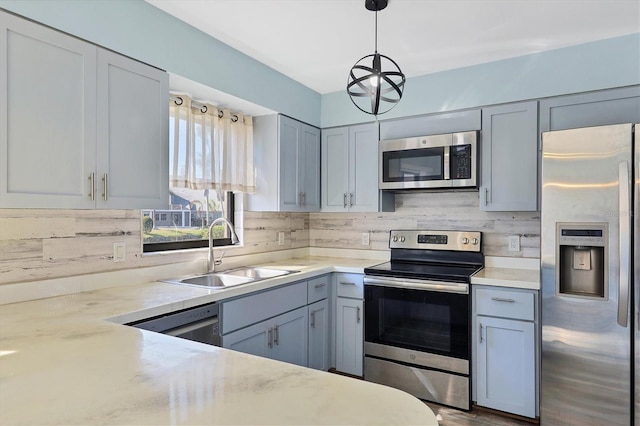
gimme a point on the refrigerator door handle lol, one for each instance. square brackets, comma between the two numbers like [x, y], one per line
[625, 243]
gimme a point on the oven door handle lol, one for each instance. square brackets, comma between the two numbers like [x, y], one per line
[444, 287]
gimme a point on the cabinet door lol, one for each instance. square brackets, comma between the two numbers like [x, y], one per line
[289, 136]
[349, 336]
[335, 169]
[290, 337]
[319, 335]
[47, 116]
[133, 140]
[254, 340]
[363, 168]
[309, 168]
[510, 157]
[506, 365]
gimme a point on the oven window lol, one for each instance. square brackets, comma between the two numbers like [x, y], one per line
[422, 320]
[413, 165]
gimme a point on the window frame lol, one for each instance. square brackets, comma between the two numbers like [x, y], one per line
[195, 244]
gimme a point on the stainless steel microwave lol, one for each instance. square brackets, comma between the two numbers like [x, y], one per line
[428, 162]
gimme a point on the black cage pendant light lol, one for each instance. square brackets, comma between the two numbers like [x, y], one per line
[375, 83]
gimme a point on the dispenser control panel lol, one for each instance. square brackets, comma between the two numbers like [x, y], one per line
[579, 234]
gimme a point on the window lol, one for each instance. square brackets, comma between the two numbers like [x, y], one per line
[210, 159]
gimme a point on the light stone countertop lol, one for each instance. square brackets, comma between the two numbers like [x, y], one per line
[61, 362]
[504, 272]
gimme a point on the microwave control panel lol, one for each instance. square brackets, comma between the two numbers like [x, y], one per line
[461, 162]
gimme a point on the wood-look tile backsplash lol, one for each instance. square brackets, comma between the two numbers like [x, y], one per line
[39, 243]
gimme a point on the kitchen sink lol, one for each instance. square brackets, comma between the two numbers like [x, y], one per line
[220, 280]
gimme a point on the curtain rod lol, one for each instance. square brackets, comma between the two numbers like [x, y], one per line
[202, 107]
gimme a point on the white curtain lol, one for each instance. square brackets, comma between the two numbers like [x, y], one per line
[211, 148]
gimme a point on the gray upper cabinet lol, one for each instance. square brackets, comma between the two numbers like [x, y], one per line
[287, 161]
[81, 127]
[509, 154]
[350, 169]
[432, 124]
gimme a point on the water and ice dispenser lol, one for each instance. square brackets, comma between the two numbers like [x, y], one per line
[581, 259]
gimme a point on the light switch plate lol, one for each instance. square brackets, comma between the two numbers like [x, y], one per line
[280, 238]
[119, 252]
[514, 242]
[365, 238]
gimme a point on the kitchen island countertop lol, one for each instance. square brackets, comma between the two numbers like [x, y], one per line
[63, 362]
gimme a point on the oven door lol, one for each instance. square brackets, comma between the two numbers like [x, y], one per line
[431, 318]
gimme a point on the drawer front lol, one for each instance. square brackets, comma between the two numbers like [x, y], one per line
[259, 307]
[318, 288]
[506, 304]
[349, 285]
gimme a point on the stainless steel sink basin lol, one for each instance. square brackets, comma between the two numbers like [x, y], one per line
[220, 280]
[257, 273]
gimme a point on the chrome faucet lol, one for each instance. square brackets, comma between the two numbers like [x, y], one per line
[212, 262]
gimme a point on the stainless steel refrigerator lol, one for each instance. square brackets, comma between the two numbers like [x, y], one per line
[590, 272]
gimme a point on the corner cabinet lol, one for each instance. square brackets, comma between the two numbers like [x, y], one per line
[287, 161]
[350, 169]
[81, 127]
[510, 157]
[349, 323]
[505, 349]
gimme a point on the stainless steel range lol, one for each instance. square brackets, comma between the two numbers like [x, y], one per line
[417, 315]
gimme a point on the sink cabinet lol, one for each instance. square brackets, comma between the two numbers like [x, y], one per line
[80, 126]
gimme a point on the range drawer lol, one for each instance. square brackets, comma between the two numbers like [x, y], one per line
[505, 303]
[318, 288]
[349, 285]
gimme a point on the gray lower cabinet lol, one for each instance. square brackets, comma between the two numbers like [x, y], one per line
[319, 335]
[510, 157]
[287, 161]
[350, 169]
[349, 320]
[505, 348]
[80, 126]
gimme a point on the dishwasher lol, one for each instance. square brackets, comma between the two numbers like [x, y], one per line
[200, 324]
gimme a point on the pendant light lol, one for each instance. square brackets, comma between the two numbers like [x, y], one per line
[375, 83]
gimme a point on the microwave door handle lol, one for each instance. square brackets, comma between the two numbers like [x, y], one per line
[447, 163]
[625, 243]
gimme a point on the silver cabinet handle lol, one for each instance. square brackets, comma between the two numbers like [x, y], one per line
[502, 299]
[270, 338]
[275, 335]
[313, 319]
[481, 340]
[299, 198]
[344, 200]
[358, 314]
[625, 243]
[351, 199]
[92, 186]
[304, 198]
[347, 283]
[320, 285]
[486, 196]
[104, 187]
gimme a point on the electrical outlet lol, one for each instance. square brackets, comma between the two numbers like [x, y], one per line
[365, 238]
[119, 252]
[514, 242]
[280, 238]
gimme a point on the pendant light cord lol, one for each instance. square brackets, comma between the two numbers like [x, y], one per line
[376, 27]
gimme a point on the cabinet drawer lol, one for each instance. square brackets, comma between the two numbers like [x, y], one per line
[259, 307]
[349, 285]
[318, 288]
[505, 303]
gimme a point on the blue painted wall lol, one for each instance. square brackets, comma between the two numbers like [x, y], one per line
[139, 30]
[597, 65]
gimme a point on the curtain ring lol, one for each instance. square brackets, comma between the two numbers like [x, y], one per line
[203, 109]
[220, 114]
[234, 118]
[178, 100]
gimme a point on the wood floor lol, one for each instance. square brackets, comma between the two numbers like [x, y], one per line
[475, 417]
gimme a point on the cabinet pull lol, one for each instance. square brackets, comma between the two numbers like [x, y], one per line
[270, 338]
[104, 187]
[275, 335]
[299, 198]
[304, 198]
[486, 196]
[502, 299]
[347, 283]
[351, 199]
[92, 186]
[481, 340]
[344, 200]
[313, 319]
[319, 285]
[358, 314]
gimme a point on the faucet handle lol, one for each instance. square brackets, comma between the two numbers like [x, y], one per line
[218, 261]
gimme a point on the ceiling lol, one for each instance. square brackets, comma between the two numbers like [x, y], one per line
[316, 42]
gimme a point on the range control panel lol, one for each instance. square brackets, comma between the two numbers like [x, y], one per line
[436, 240]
